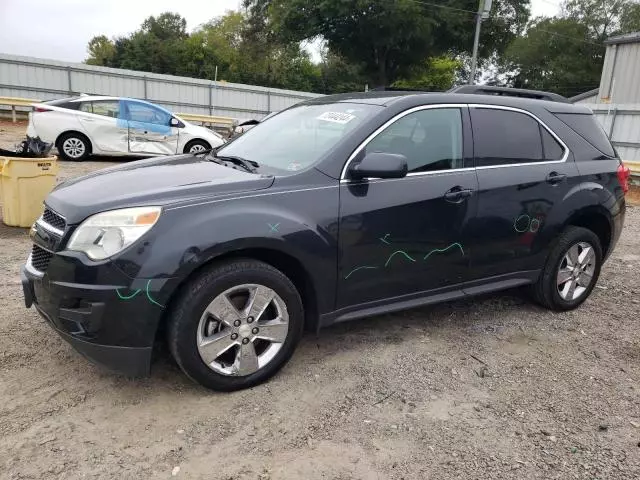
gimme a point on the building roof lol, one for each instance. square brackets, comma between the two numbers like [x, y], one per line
[633, 37]
[582, 96]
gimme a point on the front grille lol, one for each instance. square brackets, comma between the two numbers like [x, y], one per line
[53, 219]
[40, 258]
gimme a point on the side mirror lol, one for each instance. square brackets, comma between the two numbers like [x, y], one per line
[176, 123]
[380, 165]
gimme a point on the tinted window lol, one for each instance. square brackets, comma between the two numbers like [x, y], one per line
[108, 108]
[86, 107]
[140, 112]
[588, 128]
[430, 139]
[552, 149]
[503, 137]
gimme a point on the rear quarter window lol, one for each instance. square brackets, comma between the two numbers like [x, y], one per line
[588, 128]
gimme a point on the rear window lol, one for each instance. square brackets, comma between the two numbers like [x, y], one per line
[588, 128]
[70, 103]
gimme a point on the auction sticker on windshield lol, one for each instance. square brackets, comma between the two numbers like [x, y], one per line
[336, 117]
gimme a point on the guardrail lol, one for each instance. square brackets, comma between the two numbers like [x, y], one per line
[14, 102]
[226, 122]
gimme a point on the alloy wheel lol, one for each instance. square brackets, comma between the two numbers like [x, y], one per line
[576, 271]
[242, 330]
[197, 148]
[73, 147]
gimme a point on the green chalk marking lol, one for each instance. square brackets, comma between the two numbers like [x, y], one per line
[396, 252]
[127, 297]
[384, 239]
[442, 250]
[149, 296]
[360, 268]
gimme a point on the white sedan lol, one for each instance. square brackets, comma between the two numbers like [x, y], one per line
[86, 125]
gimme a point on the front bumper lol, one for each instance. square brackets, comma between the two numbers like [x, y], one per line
[113, 324]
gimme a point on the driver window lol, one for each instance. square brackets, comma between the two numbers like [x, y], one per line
[139, 112]
[430, 139]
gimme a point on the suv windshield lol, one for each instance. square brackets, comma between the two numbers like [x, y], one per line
[298, 137]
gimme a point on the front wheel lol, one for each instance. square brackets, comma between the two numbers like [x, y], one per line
[235, 325]
[571, 271]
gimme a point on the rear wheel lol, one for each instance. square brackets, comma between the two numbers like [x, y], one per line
[196, 146]
[74, 146]
[571, 271]
[235, 325]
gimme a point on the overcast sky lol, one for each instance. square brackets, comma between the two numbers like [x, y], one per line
[61, 29]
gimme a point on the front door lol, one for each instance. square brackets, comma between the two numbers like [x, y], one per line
[524, 175]
[410, 235]
[150, 130]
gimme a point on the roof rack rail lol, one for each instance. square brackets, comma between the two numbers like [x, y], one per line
[509, 92]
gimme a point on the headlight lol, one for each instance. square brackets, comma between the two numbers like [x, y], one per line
[108, 233]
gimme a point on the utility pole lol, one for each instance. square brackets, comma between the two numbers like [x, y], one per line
[484, 7]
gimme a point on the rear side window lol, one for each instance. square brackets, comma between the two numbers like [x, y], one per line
[552, 149]
[588, 128]
[107, 108]
[504, 137]
[86, 107]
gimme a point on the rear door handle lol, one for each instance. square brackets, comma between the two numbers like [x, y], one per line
[554, 178]
[457, 194]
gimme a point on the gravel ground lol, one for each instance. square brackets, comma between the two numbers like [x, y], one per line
[489, 388]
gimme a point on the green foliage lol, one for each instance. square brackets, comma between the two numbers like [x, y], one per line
[435, 74]
[388, 38]
[101, 51]
[565, 54]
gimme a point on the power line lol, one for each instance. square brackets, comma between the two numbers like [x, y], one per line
[446, 7]
[568, 36]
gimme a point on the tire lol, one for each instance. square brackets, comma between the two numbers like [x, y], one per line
[550, 290]
[74, 146]
[196, 146]
[191, 328]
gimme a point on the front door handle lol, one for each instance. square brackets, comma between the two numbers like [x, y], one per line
[457, 194]
[554, 178]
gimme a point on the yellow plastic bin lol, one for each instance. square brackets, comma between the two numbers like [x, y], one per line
[24, 184]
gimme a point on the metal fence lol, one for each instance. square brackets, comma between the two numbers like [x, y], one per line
[49, 79]
[622, 124]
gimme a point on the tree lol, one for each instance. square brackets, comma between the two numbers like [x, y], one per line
[388, 38]
[557, 55]
[435, 74]
[565, 54]
[101, 51]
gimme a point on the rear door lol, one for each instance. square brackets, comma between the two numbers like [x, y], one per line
[410, 235]
[101, 120]
[524, 173]
[150, 130]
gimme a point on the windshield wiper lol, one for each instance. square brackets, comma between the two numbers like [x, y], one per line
[248, 165]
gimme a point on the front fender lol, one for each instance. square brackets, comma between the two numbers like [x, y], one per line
[187, 238]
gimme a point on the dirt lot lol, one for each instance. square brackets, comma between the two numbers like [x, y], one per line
[492, 388]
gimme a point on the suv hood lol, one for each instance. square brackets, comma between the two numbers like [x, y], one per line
[158, 181]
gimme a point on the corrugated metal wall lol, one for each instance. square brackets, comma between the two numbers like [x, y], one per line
[621, 122]
[620, 73]
[28, 77]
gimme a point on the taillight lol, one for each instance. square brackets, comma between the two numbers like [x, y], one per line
[623, 177]
[41, 109]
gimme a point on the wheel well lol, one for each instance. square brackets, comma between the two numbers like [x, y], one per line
[598, 224]
[287, 264]
[192, 141]
[74, 132]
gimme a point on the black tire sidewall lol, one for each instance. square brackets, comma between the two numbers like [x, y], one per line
[184, 331]
[82, 138]
[570, 238]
